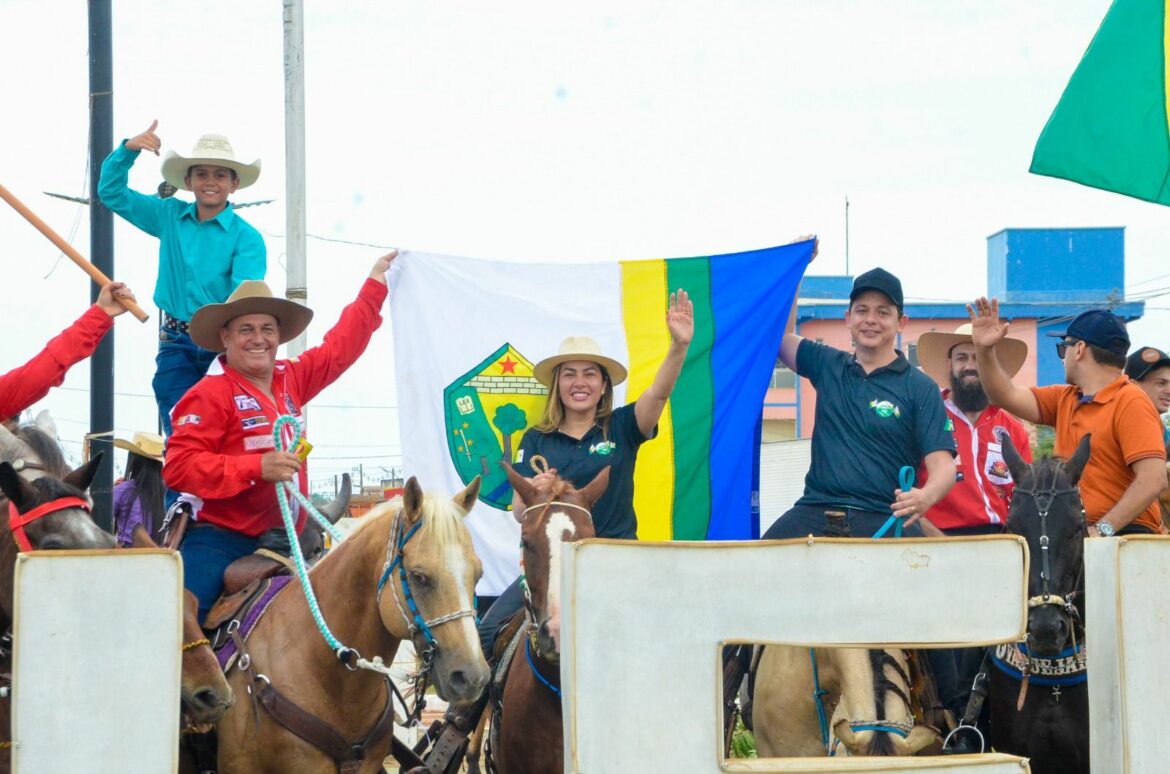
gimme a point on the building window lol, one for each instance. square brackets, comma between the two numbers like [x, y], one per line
[782, 377]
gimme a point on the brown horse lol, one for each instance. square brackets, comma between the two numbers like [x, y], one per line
[204, 689]
[408, 556]
[863, 697]
[33, 472]
[528, 736]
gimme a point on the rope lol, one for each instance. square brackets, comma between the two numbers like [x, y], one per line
[195, 644]
[819, 694]
[283, 489]
[905, 483]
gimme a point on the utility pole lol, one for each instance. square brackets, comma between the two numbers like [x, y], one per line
[296, 282]
[101, 249]
[846, 235]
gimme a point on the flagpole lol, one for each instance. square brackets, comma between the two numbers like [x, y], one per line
[296, 278]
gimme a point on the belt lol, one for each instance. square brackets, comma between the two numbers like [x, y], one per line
[175, 324]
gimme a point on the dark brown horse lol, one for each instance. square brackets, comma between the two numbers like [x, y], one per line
[33, 473]
[1039, 692]
[528, 737]
[409, 572]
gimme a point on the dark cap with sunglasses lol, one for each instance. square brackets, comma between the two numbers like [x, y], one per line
[1100, 328]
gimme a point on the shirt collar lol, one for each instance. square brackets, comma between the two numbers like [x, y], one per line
[224, 218]
[898, 365]
[1106, 393]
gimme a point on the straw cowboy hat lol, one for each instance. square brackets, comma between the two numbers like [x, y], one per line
[578, 348]
[251, 297]
[144, 444]
[213, 150]
[935, 347]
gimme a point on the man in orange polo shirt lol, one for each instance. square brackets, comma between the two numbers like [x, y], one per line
[1126, 467]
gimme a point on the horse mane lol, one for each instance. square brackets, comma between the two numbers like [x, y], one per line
[440, 516]
[46, 448]
[879, 660]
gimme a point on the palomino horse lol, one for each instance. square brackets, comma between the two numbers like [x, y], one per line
[805, 701]
[44, 506]
[1039, 693]
[203, 688]
[528, 736]
[409, 572]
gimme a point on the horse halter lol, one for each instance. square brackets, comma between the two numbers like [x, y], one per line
[17, 521]
[1044, 499]
[415, 623]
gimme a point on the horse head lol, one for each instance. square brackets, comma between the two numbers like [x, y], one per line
[554, 516]
[51, 513]
[1046, 511]
[432, 571]
[204, 690]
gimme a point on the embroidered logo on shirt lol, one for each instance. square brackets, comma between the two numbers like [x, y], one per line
[885, 409]
[188, 419]
[288, 404]
[246, 403]
[519, 456]
[605, 448]
[254, 442]
[252, 422]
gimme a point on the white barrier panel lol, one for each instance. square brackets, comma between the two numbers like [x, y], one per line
[1127, 629]
[98, 638]
[643, 626]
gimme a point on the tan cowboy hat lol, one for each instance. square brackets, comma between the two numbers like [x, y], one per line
[144, 444]
[934, 348]
[578, 348]
[251, 297]
[213, 150]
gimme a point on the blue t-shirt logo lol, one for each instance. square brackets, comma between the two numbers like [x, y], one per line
[885, 409]
[605, 448]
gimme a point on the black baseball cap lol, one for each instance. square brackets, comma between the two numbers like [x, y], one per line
[1101, 328]
[1143, 360]
[880, 280]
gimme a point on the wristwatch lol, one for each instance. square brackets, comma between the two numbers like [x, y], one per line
[1105, 529]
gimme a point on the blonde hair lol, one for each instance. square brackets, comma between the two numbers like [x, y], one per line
[554, 407]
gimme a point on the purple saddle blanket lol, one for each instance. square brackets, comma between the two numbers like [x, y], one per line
[248, 617]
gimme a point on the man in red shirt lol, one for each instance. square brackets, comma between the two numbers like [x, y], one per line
[222, 449]
[23, 386]
[978, 502]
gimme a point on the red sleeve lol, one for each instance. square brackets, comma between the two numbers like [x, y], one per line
[24, 386]
[320, 366]
[194, 461]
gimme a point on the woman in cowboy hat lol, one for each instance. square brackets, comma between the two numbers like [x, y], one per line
[222, 449]
[138, 499]
[581, 432]
[205, 248]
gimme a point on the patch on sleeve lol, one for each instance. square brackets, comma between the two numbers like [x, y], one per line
[246, 403]
[519, 456]
[188, 419]
[254, 442]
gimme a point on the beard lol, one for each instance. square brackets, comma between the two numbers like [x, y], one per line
[968, 396]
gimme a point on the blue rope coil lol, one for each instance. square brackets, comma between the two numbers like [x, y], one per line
[905, 483]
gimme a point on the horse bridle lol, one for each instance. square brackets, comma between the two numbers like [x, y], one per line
[17, 521]
[1044, 499]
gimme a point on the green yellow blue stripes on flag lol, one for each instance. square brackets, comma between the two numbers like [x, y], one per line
[1111, 127]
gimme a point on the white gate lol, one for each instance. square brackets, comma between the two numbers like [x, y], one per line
[97, 660]
[643, 625]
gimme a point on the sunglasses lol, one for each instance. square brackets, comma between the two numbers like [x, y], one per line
[1062, 347]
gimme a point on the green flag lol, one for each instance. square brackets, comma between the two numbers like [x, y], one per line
[1109, 129]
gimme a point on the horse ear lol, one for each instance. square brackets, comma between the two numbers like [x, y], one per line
[339, 505]
[1012, 457]
[523, 486]
[140, 538]
[15, 488]
[83, 476]
[1076, 464]
[412, 499]
[466, 499]
[44, 422]
[10, 445]
[595, 488]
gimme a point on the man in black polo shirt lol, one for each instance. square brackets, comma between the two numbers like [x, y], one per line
[875, 415]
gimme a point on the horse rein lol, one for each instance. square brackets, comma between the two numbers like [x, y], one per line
[17, 521]
[1044, 499]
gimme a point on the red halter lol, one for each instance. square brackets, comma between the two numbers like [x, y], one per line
[17, 521]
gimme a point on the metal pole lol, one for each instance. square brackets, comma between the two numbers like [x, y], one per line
[101, 247]
[846, 236]
[296, 284]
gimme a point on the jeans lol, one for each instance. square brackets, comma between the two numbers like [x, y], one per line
[497, 615]
[179, 364]
[207, 551]
[803, 520]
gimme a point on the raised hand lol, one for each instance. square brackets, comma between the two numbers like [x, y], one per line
[987, 329]
[680, 318]
[382, 265]
[110, 299]
[147, 141]
[816, 245]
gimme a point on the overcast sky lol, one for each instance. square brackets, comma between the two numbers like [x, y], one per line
[555, 132]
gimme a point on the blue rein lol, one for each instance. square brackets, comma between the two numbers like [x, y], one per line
[905, 483]
[532, 665]
[418, 622]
